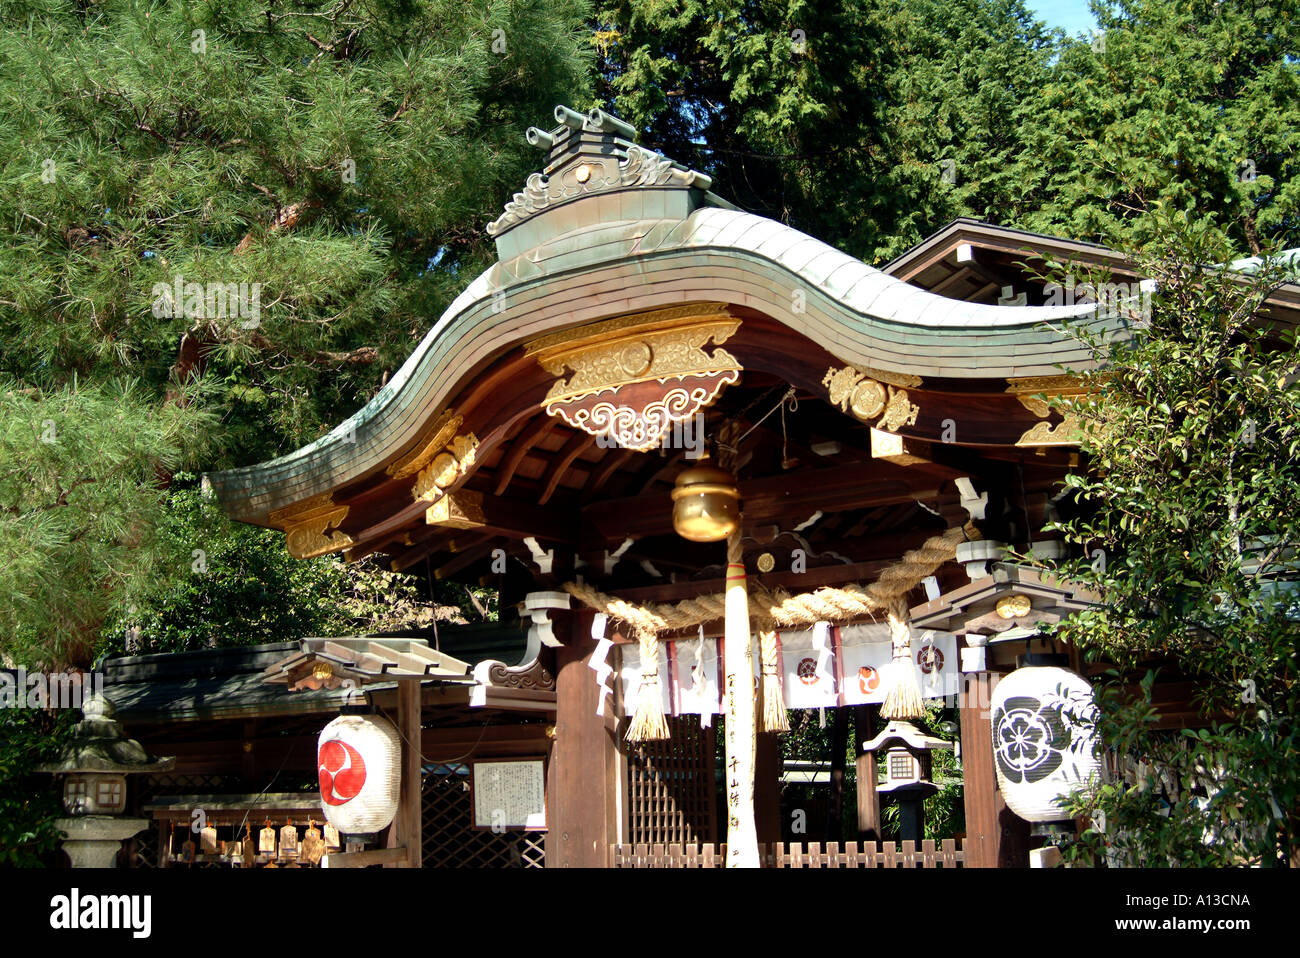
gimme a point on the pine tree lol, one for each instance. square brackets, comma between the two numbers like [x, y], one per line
[331, 163]
[79, 510]
[276, 202]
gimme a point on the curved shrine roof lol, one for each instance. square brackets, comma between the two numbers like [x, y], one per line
[611, 229]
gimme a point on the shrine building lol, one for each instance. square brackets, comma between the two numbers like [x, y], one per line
[717, 470]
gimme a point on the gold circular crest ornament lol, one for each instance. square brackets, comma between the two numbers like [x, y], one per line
[766, 563]
[635, 358]
[1014, 606]
[583, 173]
[868, 399]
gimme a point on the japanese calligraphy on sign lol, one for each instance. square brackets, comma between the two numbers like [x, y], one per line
[509, 795]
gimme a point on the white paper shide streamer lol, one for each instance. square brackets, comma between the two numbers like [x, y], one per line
[599, 661]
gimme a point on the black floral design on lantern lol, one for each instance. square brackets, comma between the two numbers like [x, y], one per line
[1028, 739]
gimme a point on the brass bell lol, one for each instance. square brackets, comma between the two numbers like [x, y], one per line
[706, 504]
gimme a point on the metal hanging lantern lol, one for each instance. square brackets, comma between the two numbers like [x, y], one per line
[1044, 740]
[359, 766]
[706, 504]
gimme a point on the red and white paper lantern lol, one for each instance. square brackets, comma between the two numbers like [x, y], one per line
[1044, 741]
[358, 759]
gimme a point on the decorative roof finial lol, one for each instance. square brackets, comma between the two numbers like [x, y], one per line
[586, 154]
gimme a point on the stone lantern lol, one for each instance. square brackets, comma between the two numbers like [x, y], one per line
[907, 772]
[93, 768]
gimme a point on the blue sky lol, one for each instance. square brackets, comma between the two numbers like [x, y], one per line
[1072, 16]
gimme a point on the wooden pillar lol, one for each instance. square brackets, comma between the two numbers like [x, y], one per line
[767, 788]
[164, 843]
[582, 794]
[864, 729]
[995, 836]
[839, 748]
[409, 823]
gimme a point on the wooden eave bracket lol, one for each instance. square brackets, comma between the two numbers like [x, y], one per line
[974, 505]
[891, 447]
[538, 607]
[542, 558]
[611, 558]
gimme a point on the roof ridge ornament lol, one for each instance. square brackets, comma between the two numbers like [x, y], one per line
[588, 154]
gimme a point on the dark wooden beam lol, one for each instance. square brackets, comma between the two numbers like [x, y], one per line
[464, 558]
[521, 520]
[572, 449]
[958, 275]
[614, 460]
[767, 788]
[426, 546]
[889, 547]
[527, 438]
[839, 746]
[410, 807]
[995, 836]
[665, 472]
[765, 500]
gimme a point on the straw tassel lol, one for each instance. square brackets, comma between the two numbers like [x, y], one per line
[648, 722]
[904, 700]
[773, 716]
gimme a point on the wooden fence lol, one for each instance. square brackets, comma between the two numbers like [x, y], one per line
[947, 854]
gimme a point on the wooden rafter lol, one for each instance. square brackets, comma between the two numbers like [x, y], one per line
[662, 473]
[465, 557]
[614, 461]
[436, 541]
[571, 450]
[527, 438]
[957, 276]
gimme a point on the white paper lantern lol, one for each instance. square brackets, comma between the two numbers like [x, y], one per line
[358, 759]
[1044, 740]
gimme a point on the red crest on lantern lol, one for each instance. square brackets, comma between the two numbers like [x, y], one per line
[358, 765]
[341, 770]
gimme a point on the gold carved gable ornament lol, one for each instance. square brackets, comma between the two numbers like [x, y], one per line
[439, 460]
[864, 393]
[1030, 392]
[306, 526]
[628, 380]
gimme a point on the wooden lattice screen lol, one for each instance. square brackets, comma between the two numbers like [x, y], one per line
[451, 841]
[672, 787]
[140, 851]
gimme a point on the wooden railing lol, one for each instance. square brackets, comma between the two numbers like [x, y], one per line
[946, 854]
